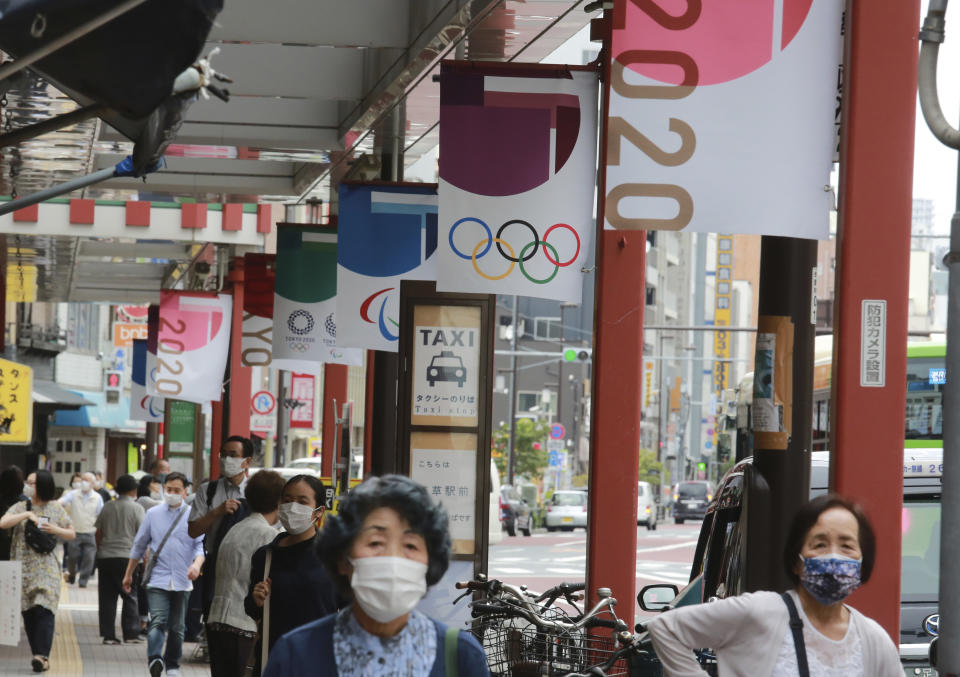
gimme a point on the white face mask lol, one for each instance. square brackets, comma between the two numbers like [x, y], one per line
[231, 466]
[85, 486]
[386, 588]
[156, 495]
[28, 490]
[173, 500]
[77, 484]
[296, 517]
[98, 485]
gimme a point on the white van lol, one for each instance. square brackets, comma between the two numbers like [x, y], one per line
[646, 506]
[496, 531]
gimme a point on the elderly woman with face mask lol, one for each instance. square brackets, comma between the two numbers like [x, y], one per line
[807, 631]
[387, 543]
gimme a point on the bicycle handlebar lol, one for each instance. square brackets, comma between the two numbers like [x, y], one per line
[471, 585]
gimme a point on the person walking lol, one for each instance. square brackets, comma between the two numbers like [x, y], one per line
[100, 486]
[174, 564]
[297, 588]
[231, 634]
[149, 492]
[117, 526]
[387, 544]
[83, 505]
[11, 492]
[40, 587]
[829, 553]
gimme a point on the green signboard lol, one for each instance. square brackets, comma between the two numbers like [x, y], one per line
[180, 430]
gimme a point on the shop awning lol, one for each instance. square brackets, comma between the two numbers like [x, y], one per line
[48, 392]
[100, 414]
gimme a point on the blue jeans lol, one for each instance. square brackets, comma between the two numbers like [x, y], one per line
[167, 611]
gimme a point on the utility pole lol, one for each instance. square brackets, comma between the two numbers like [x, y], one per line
[513, 396]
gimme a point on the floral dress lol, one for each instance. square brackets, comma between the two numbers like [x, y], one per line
[41, 572]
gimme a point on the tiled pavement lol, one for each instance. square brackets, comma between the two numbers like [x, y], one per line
[78, 650]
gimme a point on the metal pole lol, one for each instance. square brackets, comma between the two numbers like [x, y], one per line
[55, 191]
[513, 398]
[28, 132]
[283, 419]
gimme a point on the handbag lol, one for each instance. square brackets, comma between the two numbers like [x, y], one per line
[148, 569]
[796, 627]
[38, 540]
[263, 629]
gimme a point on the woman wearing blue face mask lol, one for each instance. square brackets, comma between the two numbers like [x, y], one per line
[805, 632]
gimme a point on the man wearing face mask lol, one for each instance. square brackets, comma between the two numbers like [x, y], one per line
[173, 566]
[117, 526]
[220, 504]
[83, 505]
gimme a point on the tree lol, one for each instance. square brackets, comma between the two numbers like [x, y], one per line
[652, 470]
[528, 461]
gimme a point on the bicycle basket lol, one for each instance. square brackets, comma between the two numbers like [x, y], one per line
[520, 649]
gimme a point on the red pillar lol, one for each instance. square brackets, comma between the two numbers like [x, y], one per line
[873, 243]
[616, 405]
[334, 388]
[238, 421]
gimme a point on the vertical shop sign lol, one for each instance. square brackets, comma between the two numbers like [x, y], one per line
[11, 580]
[16, 403]
[700, 96]
[446, 360]
[180, 430]
[302, 391]
[723, 300]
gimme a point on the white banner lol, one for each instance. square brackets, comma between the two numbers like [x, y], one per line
[516, 179]
[722, 117]
[11, 577]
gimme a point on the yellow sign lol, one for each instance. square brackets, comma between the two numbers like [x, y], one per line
[647, 383]
[721, 317]
[21, 283]
[16, 403]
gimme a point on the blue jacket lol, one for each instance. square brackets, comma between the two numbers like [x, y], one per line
[308, 652]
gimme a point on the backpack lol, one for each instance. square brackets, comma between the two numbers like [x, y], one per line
[38, 540]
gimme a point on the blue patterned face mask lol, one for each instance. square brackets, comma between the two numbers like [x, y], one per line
[830, 578]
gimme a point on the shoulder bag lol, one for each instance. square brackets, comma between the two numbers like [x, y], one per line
[796, 627]
[450, 650]
[38, 540]
[156, 556]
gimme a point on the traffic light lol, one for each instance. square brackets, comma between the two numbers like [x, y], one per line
[701, 466]
[112, 384]
[577, 354]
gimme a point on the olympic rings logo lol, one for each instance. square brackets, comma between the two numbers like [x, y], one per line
[508, 253]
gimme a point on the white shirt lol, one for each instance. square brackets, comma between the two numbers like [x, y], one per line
[233, 570]
[83, 508]
[825, 657]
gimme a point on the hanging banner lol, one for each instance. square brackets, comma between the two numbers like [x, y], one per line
[16, 403]
[303, 392]
[143, 407]
[517, 171]
[258, 289]
[193, 338]
[388, 233]
[722, 116]
[304, 306]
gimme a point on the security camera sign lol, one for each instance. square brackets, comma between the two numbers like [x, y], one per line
[445, 378]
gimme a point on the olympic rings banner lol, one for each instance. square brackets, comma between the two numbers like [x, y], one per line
[305, 298]
[388, 233]
[517, 170]
[723, 116]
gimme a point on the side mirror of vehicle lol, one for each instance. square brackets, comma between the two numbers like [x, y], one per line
[933, 652]
[657, 597]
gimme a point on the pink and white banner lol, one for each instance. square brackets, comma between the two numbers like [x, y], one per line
[193, 339]
[303, 390]
[517, 169]
[723, 116]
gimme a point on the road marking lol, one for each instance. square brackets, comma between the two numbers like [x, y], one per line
[510, 570]
[498, 559]
[685, 544]
[578, 572]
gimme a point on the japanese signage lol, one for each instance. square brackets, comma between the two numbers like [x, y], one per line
[647, 382]
[124, 334]
[519, 156]
[302, 391]
[723, 296]
[11, 578]
[873, 343]
[263, 412]
[180, 428]
[446, 360]
[446, 464]
[700, 94]
[16, 403]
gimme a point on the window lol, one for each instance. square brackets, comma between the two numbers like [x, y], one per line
[526, 401]
[76, 466]
[59, 445]
[58, 467]
[547, 328]
[651, 296]
[69, 445]
[78, 446]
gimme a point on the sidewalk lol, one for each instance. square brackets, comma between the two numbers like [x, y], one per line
[78, 650]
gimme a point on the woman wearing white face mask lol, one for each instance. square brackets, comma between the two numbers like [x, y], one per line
[297, 589]
[807, 631]
[387, 543]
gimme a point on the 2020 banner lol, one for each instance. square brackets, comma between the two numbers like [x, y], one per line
[193, 338]
[722, 116]
[387, 233]
[305, 303]
[517, 170]
[143, 407]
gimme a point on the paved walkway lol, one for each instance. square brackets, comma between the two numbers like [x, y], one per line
[78, 649]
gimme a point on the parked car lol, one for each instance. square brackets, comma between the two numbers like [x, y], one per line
[515, 512]
[719, 566]
[312, 464]
[567, 510]
[646, 506]
[287, 472]
[690, 500]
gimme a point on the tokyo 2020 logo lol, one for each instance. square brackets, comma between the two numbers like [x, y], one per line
[300, 322]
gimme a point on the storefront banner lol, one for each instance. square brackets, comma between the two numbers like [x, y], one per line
[303, 391]
[258, 289]
[143, 407]
[193, 339]
[517, 170]
[387, 233]
[723, 116]
[305, 299]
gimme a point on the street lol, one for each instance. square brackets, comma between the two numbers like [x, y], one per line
[545, 559]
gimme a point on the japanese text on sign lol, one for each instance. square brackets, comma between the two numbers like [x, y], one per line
[10, 581]
[445, 378]
[873, 343]
[16, 403]
[450, 478]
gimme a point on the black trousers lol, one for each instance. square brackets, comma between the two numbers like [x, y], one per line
[38, 624]
[111, 578]
[228, 652]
